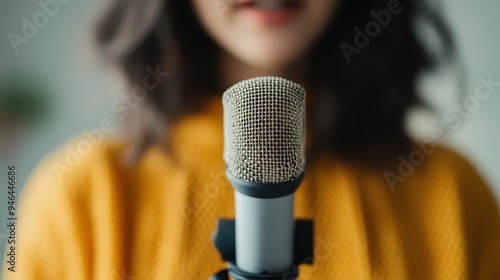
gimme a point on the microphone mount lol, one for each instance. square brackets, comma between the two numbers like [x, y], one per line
[224, 241]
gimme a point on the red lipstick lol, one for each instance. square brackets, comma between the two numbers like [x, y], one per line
[269, 12]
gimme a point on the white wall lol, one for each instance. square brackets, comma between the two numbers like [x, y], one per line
[476, 26]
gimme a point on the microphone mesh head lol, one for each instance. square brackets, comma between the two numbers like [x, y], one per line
[264, 122]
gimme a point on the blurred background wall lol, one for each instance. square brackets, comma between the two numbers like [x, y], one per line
[68, 90]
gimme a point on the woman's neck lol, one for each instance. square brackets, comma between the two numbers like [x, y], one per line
[234, 71]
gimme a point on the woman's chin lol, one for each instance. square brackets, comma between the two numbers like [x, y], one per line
[269, 61]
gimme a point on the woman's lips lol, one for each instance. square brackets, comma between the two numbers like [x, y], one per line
[269, 11]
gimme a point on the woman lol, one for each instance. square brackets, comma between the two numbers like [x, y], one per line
[376, 216]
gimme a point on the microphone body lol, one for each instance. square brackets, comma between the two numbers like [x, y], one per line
[264, 233]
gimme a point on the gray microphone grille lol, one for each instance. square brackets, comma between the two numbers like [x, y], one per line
[264, 122]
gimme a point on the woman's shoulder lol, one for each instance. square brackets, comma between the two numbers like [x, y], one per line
[73, 163]
[85, 164]
[449, 160]
[80, 155]
[428, 164]
[81, 175]
[436, 169]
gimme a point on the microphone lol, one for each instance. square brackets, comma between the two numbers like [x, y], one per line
[264, 139]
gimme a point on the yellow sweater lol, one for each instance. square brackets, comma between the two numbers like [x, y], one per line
[100, 219]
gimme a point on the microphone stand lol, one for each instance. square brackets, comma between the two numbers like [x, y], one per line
[224, 241]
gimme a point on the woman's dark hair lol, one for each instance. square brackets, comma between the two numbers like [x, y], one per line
[362, 92]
